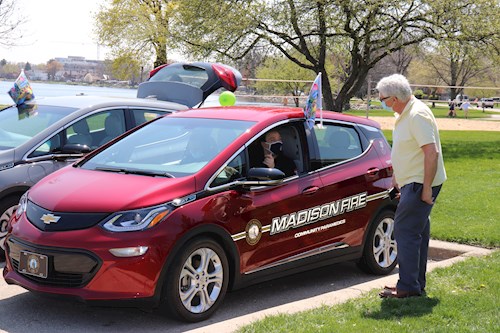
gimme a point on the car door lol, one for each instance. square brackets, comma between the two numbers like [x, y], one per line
[269, 218]
[351, 185]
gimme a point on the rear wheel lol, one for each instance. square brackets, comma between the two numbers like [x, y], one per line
[380, 252]
[8, 207]
[197, 281]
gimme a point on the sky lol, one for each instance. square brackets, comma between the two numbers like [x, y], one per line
[55, 28]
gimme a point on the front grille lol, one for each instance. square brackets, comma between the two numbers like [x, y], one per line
[66, 268]
[61, 221]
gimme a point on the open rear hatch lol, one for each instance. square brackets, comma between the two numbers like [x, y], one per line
[188, 83]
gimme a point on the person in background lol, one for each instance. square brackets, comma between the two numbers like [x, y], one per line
[451, 112]
[418, 174]
[465, 106]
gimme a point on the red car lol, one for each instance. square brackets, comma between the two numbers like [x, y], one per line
[182, 209]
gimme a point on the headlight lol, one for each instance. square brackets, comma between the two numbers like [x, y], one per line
[135, 220]
[23, 202]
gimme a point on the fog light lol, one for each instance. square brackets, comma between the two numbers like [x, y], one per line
[129, 251]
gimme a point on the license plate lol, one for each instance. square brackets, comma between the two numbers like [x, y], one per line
[33, 264]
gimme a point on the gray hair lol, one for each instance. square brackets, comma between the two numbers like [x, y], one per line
[395, 85]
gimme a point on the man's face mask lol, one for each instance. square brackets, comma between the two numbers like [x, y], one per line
[275, 147]
[385, 107]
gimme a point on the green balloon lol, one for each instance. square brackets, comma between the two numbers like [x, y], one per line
[227, 98]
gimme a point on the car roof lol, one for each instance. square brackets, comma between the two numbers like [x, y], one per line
[268, 113]
[84, 101]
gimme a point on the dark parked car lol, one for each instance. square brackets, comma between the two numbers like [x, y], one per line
[180, 210]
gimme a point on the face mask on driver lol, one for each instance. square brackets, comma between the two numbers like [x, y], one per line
[275, 147]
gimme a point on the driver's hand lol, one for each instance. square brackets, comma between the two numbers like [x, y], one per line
[269, 160]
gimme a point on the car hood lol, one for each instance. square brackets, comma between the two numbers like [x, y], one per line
[76, 190]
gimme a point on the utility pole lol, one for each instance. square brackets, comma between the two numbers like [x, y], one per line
[368, 95]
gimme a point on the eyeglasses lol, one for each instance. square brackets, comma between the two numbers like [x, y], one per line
[383, 99]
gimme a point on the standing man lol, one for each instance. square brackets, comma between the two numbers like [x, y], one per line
[419, 173]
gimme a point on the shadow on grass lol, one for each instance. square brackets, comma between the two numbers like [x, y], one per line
[408, 307]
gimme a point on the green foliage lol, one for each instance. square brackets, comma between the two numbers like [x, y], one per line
[140, 28]
[126, 67]
[361, 32]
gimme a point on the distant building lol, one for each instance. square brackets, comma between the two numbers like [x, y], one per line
[79, 69]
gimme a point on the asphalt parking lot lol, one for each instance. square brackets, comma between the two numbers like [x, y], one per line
[22, 311]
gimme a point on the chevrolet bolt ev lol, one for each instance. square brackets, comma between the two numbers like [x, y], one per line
[46, 134]
[180, 210]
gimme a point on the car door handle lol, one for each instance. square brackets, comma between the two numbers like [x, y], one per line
[373, 171]
[310, 190]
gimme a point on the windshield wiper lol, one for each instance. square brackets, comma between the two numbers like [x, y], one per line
[136, 172]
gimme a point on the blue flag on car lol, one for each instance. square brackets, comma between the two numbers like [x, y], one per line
[21, 91]
[313, 102]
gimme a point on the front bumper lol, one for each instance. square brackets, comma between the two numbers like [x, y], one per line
[91, 274]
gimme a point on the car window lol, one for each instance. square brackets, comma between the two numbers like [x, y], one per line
[337, 143]
[235, 169]
[292, 162]
[97, 129]
[143, 115]
[174, 146]
[53, 145]
[20, 124]
[191, 75]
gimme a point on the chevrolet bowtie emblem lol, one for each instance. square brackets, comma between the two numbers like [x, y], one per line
[49, 218]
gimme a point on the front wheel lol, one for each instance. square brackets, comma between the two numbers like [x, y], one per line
[8, 207]
[380, 252]
[197, 281]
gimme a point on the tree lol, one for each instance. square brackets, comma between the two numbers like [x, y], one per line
[126, 68]
[10, 70]
[370, 30]
[27, 67]
[10, 23]
[53, 66]
[136, 27]
[456, 59]
[279, 68]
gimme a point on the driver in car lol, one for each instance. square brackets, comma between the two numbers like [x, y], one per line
[274, 156]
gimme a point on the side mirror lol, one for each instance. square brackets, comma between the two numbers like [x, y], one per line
[265, 174]
[75, 148]
[262, 177]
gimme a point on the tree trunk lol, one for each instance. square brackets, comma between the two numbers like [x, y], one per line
[353, 83]
[326, 91]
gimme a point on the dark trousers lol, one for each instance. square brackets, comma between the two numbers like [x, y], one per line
[412, 233]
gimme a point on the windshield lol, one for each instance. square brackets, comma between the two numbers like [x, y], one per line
[20, 124]
[169, 147]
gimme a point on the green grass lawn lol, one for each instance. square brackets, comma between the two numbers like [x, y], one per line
[440, 111]
[462, 298]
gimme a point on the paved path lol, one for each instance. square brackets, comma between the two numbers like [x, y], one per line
[489, 124]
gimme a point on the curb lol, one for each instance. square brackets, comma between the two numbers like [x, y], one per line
[441, 254]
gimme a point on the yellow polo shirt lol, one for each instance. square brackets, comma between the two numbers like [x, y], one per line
[414, 128]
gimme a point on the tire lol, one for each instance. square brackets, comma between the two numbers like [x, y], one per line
[8, 207]
[380, 251]
[192, 291]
